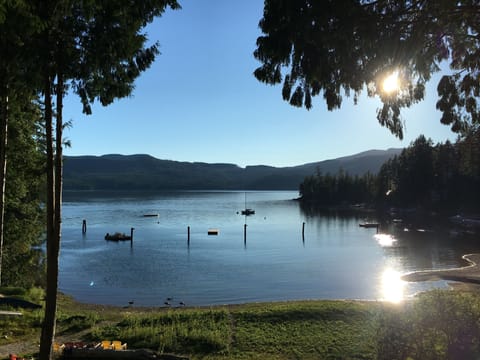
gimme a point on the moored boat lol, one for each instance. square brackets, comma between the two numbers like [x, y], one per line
[247, 211]
[369, 225]
[118, 236]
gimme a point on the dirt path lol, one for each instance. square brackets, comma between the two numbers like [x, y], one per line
[24, 347]
[32, 346]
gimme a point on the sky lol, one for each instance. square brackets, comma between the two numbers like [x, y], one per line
[199, 102]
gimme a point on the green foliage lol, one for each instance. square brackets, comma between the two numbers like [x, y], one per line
[24, 217]
[12, 291]
[414, 174]
[99, 49]
[336, 47]
[103, 47]
[18, 328]
[443, 177]
[327, 190]
[191, 331]
[34, 295]
[68, 323]
[438, 325]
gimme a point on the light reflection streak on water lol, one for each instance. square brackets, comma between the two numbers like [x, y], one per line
[392, 286]
[385, 240]
[276, 264]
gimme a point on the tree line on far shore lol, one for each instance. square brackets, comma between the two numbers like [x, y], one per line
[443, 178]
[97, 49]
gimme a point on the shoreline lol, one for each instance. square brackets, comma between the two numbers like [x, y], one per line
[463, 276]
[467, 274]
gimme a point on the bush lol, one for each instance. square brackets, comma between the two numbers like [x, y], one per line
[440, 324]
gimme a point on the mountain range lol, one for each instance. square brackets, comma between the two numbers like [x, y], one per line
[144, 172]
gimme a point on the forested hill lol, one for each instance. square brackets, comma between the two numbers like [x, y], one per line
[144, 172]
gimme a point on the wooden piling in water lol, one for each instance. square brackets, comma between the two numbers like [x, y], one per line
[245, 233]
[303, 231]
[84, 226]
[131, 236]
[188, 235]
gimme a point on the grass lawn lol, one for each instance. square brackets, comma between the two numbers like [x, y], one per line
[437, 325]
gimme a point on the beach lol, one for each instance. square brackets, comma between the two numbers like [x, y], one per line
[467, 274]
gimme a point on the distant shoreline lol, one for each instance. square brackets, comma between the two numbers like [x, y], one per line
[467, 274]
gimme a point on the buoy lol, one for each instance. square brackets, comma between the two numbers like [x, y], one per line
[213, 231]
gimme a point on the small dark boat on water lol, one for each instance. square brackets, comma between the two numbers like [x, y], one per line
[369, 225]
[119, 236]
[247, 211]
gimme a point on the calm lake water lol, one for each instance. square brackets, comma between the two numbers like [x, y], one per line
[335, 258]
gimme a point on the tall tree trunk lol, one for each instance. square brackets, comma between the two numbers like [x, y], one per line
[58, 167]
[54, 221]
[3, 165]
[48, 329]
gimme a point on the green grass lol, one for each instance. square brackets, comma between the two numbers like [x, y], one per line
[292, 330]
[13, 329]
[193, 331]
[297, 330]
[26, 326]
[305, 330]
[437, 325]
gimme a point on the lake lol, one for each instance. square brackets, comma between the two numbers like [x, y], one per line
[285, 254]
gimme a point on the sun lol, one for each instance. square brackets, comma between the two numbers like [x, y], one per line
[391, 83]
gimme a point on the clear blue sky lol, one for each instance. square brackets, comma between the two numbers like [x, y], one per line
[200, 102]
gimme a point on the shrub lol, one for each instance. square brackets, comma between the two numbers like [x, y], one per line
[440, 324]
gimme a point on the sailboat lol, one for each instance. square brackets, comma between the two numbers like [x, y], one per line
[247, 211]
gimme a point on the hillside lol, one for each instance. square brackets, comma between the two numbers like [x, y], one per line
[144, 172]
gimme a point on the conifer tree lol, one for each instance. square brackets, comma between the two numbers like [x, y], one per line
[337, 47]
[98, 50]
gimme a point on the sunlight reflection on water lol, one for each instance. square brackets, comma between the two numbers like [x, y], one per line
[333, 258]
[392, 286]
[385, 240]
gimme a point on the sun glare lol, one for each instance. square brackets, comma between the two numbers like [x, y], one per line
[391, 83]
[385, 240]
[392, 286]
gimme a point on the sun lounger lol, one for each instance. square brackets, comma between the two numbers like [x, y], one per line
[117, 345]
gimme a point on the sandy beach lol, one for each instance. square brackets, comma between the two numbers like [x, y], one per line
[467, 274]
